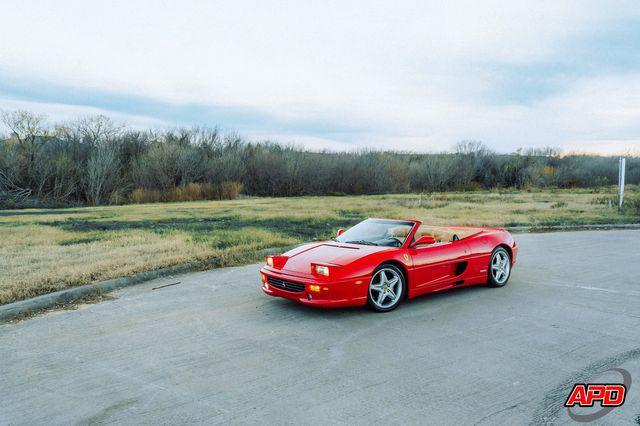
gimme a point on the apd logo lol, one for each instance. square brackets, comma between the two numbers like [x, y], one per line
[607, 395]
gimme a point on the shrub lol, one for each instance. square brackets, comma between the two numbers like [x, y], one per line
[631, 205]
[94, 161]
[192, 192]
[227, 190]
[141, 195]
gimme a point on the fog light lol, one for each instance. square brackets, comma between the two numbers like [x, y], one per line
[264, 278]
[266, 286]
[315, 288]
[309, 296]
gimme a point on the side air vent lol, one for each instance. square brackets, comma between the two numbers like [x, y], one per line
[461, 267]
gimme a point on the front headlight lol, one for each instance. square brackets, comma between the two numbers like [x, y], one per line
[270, 261]
[320, 270]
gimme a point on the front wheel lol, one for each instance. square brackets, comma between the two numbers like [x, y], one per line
[386, 288]
[499, 267]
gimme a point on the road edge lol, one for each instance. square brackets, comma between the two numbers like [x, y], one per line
[569, 228]
[21, 308]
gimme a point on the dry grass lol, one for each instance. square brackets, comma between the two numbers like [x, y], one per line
[48, 250]
[190, 192]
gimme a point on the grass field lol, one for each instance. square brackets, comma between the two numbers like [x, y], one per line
[47, 250]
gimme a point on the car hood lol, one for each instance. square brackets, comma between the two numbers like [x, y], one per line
[299, 259]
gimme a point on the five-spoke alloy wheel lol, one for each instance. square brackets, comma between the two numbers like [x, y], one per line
[499, 267]
[386, 288]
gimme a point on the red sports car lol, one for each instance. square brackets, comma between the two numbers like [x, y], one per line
[380, 262]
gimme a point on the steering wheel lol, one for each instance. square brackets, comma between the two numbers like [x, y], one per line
[397, 240]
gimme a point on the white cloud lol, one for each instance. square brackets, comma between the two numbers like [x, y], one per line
[408, 73]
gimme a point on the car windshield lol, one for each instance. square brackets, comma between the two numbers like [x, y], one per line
[378, 232]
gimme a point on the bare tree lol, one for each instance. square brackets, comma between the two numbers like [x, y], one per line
[475, 148]
[94, 160]
[24, 125]
[438, 171]
[27, 130]
[97, 128]
[10, 193]
[102, 172]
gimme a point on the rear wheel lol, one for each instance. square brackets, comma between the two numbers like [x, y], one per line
[499, 267]
[386, 288]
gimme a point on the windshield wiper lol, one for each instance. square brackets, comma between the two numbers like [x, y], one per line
[366, 243]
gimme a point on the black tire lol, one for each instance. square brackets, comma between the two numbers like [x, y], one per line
[499, 271]
[389, 272]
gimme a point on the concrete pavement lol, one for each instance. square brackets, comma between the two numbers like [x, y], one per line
[214, 349]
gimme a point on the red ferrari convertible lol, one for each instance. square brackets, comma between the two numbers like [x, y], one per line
[380, 262]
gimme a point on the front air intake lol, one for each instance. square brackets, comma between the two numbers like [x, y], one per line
[286, 285]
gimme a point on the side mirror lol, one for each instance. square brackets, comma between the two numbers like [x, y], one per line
[424, 240]
[340, 231]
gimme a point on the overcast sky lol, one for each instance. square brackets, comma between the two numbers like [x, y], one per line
[412, 75]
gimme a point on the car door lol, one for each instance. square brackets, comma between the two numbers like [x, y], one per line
[439, 265]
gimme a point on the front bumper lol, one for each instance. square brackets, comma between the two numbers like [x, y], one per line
[331, 294]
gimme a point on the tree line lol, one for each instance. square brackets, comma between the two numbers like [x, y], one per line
[94, 161]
